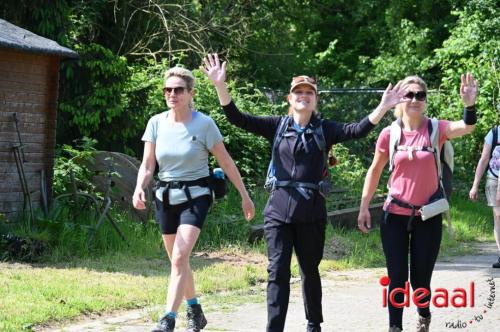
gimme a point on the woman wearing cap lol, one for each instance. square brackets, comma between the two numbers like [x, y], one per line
[414, 179]
[180, 140]
[295, 214]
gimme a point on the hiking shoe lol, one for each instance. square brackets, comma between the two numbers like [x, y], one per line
[196, 320]
[313, 327]
[394, 329]
[496, 265]
[423, 323]
[166, 324]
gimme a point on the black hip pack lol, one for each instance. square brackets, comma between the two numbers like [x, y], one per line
[217, 183]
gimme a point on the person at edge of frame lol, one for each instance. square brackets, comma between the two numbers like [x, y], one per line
[490, 159]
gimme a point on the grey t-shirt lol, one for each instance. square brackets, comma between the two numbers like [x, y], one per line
[182, 150]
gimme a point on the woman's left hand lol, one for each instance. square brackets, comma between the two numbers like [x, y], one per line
[248, 208]
[215, 71]
[392, 96]
[468, 89]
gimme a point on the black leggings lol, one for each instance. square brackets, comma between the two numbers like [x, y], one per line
[423, 241]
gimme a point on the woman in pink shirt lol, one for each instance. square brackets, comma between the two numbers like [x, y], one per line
[413, 181]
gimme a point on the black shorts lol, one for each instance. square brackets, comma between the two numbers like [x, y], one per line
[188, 213]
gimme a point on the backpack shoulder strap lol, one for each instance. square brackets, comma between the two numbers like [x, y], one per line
[433, 125]
[278, 135]
[394, 138]
[321, 141]
[494, 140]
[319, 137]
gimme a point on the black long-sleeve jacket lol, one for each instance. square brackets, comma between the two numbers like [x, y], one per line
[297, 162]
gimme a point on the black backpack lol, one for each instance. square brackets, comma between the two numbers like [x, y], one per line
[324, 186]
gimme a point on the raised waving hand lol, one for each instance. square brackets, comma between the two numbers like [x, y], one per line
[215, 71]
[468, 89]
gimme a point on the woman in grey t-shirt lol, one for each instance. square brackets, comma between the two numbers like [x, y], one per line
[180, 140]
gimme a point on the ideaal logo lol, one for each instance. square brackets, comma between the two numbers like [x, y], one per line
[441, 298]
[490, 300]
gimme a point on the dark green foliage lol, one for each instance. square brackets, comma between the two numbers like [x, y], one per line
[70, 172]
[125, 46]
[250, 153]
[474, 46]
[24, 249]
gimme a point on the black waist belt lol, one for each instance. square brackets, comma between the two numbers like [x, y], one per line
[184, 185]
[202, 182]
[298, 185]
[405, 205]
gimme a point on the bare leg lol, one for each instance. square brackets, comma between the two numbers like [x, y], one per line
[189, 290]
[181, 277]
[496, 229]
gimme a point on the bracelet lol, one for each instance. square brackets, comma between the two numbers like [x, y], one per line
[470, 117]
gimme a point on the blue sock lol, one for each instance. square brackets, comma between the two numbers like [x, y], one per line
[171, 314]
[192, 301]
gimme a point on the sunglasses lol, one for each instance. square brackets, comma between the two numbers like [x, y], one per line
[419, 95]
[178, 90]
[303, 78]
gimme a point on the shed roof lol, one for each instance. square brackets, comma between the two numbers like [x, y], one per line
[14, 37]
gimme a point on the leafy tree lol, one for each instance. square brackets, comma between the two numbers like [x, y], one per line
[473, 46]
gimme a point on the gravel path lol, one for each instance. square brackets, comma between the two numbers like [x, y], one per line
[352, 301]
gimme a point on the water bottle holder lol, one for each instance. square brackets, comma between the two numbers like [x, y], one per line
[218, 185]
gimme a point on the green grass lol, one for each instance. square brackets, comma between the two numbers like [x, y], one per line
[471, 221]
[73, 280]
[37, 294]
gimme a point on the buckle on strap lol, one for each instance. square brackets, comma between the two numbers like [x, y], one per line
[406, 205]
[299, 186]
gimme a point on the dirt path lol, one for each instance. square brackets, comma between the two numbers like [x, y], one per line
[352, 301]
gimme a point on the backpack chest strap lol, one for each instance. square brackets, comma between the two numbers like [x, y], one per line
[410, 149]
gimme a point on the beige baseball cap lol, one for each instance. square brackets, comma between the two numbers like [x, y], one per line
[303, 80]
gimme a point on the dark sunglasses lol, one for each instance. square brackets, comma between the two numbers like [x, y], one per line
[419, 95]
[178, 90]
[303, 78]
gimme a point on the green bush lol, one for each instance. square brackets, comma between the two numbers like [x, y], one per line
[473, 46]
[250, 153]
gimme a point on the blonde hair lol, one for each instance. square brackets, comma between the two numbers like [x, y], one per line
[413, 79]
[183, 73]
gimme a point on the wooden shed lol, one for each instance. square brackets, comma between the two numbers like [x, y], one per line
[29, 80]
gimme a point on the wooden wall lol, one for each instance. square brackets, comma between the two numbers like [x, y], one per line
[28, 87]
